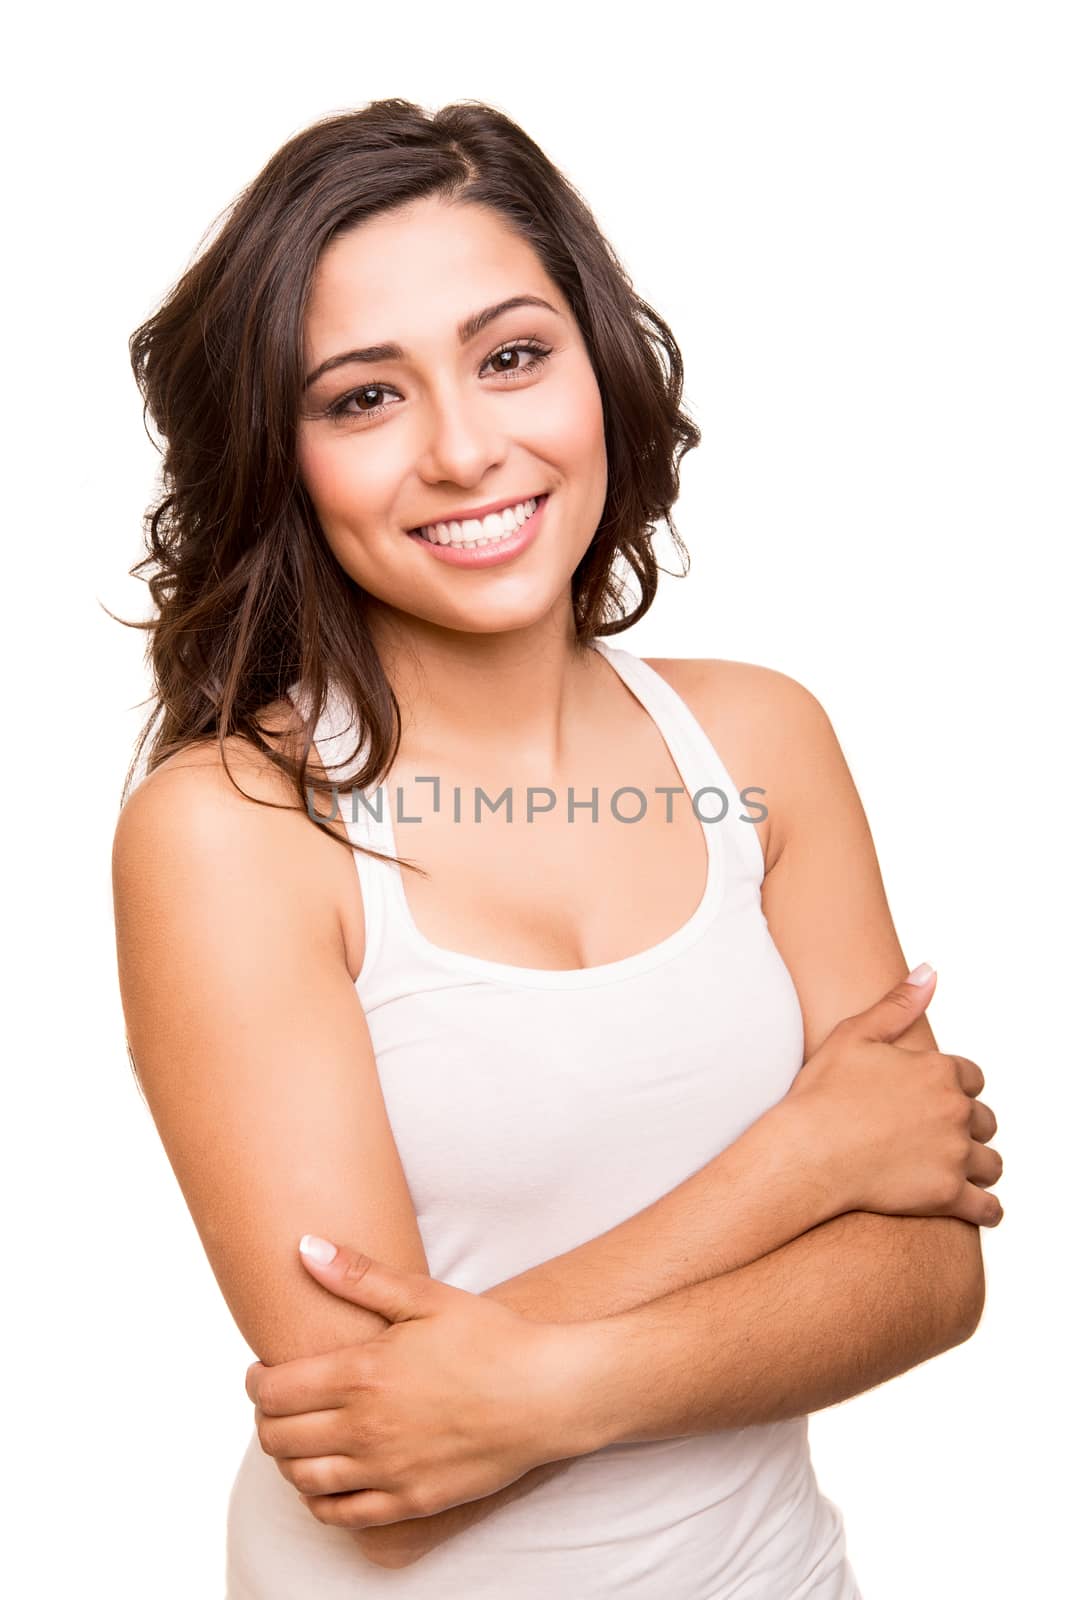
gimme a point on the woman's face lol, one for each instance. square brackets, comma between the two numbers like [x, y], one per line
[452, 421]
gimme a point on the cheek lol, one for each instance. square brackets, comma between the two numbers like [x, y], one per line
[323, 474]
[340, 490]
[578, 425]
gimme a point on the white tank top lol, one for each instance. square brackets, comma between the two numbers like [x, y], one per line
[533, 1110]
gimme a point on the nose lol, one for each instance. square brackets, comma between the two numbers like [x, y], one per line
[463, 441]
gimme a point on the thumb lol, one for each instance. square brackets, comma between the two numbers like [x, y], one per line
[888, 1018]
[351, 1275]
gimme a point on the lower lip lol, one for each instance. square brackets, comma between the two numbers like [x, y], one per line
[488, 555]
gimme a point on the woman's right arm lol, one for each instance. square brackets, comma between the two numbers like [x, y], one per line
[251, 1045]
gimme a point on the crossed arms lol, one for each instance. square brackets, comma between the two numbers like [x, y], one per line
[255, 981]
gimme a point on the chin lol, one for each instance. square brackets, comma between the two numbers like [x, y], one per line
[512, 619]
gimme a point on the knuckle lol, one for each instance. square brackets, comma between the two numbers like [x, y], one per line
[266, 1397]
[946, 1191]
[960, 1110]
[419, 1502]
[356, 1267]
[304, 1477]
[268, 1437]
[949, 1107]
[945, 1068]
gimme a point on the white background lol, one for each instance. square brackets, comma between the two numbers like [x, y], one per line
[852, 216]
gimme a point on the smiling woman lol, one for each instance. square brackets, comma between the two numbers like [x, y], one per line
[542, 1085]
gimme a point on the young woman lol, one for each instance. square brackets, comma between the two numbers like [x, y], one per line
[604, 1244]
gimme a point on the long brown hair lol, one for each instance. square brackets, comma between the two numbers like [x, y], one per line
[250, 598]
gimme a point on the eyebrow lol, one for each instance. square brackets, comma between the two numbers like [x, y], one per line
[467, 330]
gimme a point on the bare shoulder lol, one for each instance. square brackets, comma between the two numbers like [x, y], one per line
[199, 768]
[764, 724]
[237, 779]
[205, 813]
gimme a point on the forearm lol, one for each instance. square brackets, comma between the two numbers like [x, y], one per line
[768, 1187]
[762, 1190]
[858, 1300]
[848, 1305]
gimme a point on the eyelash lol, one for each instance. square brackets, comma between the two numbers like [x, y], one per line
[337, 410]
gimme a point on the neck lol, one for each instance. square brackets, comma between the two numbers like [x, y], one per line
[509, 699]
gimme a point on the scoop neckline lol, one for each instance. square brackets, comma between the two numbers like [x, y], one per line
[652, 956]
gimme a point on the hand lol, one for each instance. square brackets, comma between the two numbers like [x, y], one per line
[906, 1134]
[459, 1397]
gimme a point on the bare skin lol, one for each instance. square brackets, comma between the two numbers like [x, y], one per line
[240, 929]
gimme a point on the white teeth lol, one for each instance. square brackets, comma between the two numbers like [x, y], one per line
[488, 530]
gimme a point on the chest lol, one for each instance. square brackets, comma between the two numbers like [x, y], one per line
[560, 876]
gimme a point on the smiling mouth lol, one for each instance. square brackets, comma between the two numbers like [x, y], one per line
[474, 531]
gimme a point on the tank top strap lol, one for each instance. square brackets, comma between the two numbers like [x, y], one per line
[364, 812]
[710, 786]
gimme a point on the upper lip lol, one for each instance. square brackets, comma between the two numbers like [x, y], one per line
[476, 513]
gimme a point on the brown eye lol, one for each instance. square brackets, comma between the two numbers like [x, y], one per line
[352, 404]
[511, 355]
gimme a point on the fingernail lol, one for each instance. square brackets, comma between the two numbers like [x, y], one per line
[320, 1250]
[920, 974]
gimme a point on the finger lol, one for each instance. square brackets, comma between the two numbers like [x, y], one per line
[370, 1509]
[970, 1074]
[326, 1475]
[975, 1205]
[313, 1433]
[985, 1166]
[311, 1383]
[888, 1018]
[983, 1122]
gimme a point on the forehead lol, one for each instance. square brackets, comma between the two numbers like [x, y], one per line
[410, 275]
